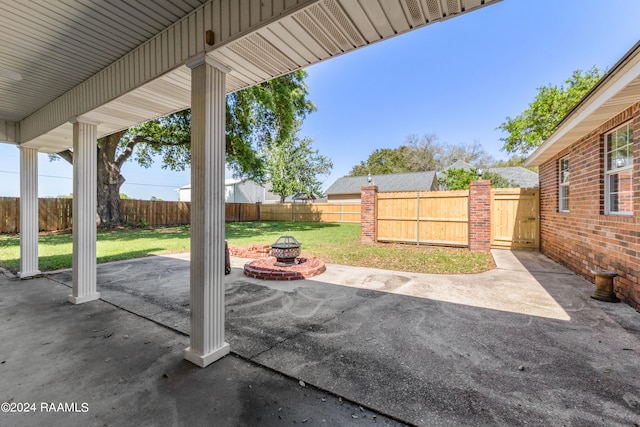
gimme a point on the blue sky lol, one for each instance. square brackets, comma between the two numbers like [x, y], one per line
[458, 79]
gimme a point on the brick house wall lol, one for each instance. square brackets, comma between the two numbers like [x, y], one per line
[585, 238]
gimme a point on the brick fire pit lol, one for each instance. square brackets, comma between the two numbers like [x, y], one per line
[267, 269]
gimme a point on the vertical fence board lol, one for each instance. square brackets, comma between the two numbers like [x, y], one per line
[56, 214]
[424, 217]
[9, 214]
[311, 212]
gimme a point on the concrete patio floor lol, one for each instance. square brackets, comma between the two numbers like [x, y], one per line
[519, 345]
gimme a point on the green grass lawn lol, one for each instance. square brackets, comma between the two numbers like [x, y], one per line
[331, 242]
[54, 249]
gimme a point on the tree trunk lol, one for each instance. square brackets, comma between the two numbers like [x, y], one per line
[109, 181]
[109, 177]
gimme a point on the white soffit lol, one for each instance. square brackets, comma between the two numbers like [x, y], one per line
[291, 34]
[618, 90]
[55, 45]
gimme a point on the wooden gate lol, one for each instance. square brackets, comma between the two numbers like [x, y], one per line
[515, 222]
[431, 218]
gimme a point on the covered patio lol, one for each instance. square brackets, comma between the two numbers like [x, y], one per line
[74, 72]
[523, 344]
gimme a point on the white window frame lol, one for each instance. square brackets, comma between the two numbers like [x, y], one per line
[618, 160]
[563, 184]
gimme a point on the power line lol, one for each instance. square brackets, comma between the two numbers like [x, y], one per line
[151, 185]
[66, 177]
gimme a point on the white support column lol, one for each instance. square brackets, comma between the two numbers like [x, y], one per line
[28, 212]
[207, 211]
[85, 182]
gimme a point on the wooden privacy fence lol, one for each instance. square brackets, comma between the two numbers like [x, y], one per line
[242, 212]
[442, 218]
[425, 217]
[56, 214]
[173, 213]
[155, 212]
[53, 214]
[312, 212]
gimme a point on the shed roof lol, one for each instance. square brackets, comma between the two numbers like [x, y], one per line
[413, 181]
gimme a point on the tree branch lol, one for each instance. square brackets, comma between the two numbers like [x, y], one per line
[158, 143]
[67, 155]
[124, 156]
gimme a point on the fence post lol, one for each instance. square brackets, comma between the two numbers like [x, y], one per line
[259, 209]
[418, 218]
[480, 215]
[369, 215]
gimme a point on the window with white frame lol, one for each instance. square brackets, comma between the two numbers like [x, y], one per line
[618, 170]
[563, 185]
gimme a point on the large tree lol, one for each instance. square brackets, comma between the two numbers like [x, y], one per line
[293, 167]
[530, 128]
[460, 179]
[259, 117]
[420, 154]
[472, 153]
[381, 162]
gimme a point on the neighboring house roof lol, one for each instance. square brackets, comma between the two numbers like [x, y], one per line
[516, 175]
[460, 164]
[413, 181]
[616, 91]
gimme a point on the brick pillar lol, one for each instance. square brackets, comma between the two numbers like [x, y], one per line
[480, 215]
[369, 208]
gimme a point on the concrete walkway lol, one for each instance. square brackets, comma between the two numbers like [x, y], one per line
[521, 344]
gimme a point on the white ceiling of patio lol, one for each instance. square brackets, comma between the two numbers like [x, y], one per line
[52, 51]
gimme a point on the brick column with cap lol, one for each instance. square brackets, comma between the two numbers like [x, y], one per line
[480, 215]
[369, 207]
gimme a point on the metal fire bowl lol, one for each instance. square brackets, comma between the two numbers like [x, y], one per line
[286, 249]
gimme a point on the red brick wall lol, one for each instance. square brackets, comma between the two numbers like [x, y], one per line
[369, 206]
[585, 238]
[480, 215]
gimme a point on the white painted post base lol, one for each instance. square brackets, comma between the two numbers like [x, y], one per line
[206, 359]
[84, 298]
[28, 274]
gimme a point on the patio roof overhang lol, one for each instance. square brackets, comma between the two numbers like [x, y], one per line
[122, 63]
[73, 72]
[618, 89]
